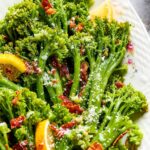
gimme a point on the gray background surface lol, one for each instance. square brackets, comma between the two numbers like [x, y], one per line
[143, 9]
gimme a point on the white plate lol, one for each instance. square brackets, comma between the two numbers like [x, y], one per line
[141, 58]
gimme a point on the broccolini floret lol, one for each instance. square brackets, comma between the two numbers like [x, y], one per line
[62, 114]
[116, 118]
[106, 64]
[19, 21]
[23, 103]
[4, 142]
[42, 45]
[5, 103]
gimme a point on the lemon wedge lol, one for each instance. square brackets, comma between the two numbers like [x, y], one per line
[43, 137]
[11, 59]
[105, 10]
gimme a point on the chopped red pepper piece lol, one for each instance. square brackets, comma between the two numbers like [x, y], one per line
[57, 132]
[16, 98]
[17, 122]
[55, 63]
[69, 125]
[68, 87]
[32, 68]
[119, 84]
[73, 108]
[48, 7]
[50, 11]
[15, 101]
[96, 146]
[46, 3]
[72, 24]
[64, 71]
[21, 145]
[80, 27]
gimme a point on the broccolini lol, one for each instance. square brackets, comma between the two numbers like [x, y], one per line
[74, 79]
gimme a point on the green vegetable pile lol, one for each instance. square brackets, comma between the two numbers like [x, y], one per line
[74, 78]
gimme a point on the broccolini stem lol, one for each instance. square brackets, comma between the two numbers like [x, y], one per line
[102, 73]
[96, 84]
[52, 94]
[86, 91]
[63, 144]
[76, 77]
[4, 82]
[9, 110]
[10, 35]
[2, 147]
[56, 90]
[5, 138]
[64, 17]
[91, 61]
[42, 62]
[31, 133]
[111, 67]
[111, 132]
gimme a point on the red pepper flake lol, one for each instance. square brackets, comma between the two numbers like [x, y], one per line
[29, 68]
[72, 24]
[57, 132]
[50, 11]
[68, 87]
[36, 69]
[46, 3]
[69, 125]
[79, 27]
[119, 137]
[73, 108]
[54, 81]
[48, 7]
[64, 71]
[32, 68]
[130, 61]
[15, 101]
[130, 47]
[96, 146]
[17, 122]
[16, 98]
[119, 84]
[21, 145]
[55, 63]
